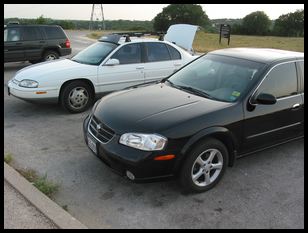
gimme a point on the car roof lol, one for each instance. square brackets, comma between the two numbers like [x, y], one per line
[138, 39]
[181, 35]
[264, 55]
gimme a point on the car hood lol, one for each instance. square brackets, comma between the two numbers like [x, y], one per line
[182, 35]
[151, 109]
[48, 68]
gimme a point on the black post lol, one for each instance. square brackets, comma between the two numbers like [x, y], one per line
[225, 31]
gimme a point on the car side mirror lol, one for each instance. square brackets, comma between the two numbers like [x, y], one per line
[112, 62]
[265, 98]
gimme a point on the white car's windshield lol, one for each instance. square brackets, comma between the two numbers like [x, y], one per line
[94, 54]
[217, 77]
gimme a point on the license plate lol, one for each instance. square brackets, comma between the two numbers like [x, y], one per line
[92, 145]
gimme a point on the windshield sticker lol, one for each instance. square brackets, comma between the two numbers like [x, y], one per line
[236, 93]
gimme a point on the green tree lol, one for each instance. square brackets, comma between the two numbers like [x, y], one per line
[41, 20]
[256, 23]
[180, 13]
[291, 24]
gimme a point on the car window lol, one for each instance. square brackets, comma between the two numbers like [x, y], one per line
[54, 33]
[175, 55]
[31, 33]
[218, 77]
[5, 34]
[95, 53]
[12, 34]
[281, 81]
[301, 66]
[128, 54]
[157, 52]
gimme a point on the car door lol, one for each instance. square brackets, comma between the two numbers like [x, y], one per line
[13, 44]
[129, 71]
[33, 43]
[265, 125]
[159, 63]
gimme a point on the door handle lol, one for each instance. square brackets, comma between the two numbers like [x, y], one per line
[42, 42]
[295, 106]
[139, 67]
[18, 43]
[177, 64]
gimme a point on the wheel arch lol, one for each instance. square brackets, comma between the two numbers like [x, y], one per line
[53, 48]
[220, 133]
[87, 81]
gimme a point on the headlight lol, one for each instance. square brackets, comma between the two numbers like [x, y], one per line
[148, 142]
[28, 83]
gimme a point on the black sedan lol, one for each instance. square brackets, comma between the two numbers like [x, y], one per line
[193, 124]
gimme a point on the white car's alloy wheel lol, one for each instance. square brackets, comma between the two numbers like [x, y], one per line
[78, 97]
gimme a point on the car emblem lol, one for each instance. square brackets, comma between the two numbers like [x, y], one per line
[98, 127]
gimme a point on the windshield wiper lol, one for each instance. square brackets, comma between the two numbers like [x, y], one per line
[195, 91]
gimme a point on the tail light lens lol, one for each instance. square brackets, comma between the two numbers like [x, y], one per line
[67, 43]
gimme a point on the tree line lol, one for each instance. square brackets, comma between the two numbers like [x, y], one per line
[135, 25]
[258, 23]
[255, 23]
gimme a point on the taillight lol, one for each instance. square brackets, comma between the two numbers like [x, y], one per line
[67, 43]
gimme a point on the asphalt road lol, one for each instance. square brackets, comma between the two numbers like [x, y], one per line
[264, 190]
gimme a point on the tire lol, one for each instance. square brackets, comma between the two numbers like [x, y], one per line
[50, 55]
[210, 172]
[76, 96]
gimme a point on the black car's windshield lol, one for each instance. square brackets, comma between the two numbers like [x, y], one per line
[217, 77]
[94, 54]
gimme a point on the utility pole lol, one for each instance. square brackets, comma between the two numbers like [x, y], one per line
[96, 13]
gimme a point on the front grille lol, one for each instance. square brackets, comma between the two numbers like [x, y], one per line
[103, 133]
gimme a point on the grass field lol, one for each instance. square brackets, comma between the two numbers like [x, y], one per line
[206, 42]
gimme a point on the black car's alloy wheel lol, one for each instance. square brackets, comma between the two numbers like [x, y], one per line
[204, 166]
[76, 97]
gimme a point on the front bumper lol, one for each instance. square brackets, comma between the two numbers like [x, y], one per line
[121, 158]
[31, 94]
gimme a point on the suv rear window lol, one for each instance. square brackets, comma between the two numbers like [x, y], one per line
[54, 33]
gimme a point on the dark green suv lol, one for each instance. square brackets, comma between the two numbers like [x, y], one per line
[35, 43]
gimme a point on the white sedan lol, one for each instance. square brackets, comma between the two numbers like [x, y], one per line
[111, 64]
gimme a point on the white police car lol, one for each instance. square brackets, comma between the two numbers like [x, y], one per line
[113, 63]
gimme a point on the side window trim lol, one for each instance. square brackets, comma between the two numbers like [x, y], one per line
[265, 76]
[300, 75]
[168, 47]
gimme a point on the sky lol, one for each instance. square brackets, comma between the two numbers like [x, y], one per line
[139, 11]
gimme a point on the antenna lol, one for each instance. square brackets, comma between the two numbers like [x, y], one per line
[97, 13]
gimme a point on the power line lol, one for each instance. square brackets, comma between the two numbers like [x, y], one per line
[97, 13]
